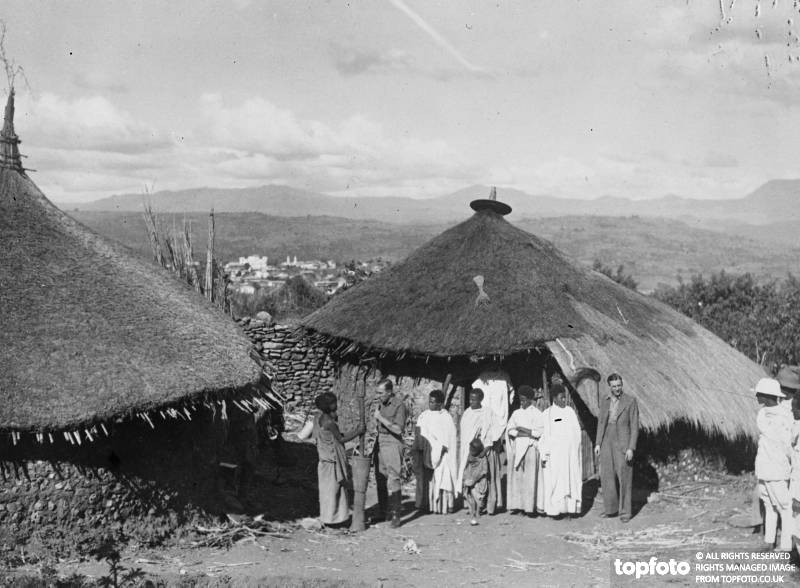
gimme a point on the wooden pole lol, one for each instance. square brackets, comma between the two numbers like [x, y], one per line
[360, 464]
[362, 414]
[189, 255]
[209, 285]
[545, 387]
[449, 397]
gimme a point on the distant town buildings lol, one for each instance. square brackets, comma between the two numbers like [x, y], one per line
[254, 273]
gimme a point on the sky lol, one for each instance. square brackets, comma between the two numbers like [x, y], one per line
[419, 98]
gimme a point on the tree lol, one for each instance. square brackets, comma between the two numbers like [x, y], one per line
[620, 277]
[760, 320]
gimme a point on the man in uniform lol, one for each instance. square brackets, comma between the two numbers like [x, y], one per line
[617, 433]
[390, 418]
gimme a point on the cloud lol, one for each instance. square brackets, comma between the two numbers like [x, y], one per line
[88, 148]
[99, 82]
[717, 159]
[354, 61]
[752, 77]
[265, 142]
[350, 61]
[87, 123]
[644, 176]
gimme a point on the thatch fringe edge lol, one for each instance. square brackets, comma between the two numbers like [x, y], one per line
[254, 398]
[343, 347]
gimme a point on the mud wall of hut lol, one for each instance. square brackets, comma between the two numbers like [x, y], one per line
[144, 482]
[299, 370]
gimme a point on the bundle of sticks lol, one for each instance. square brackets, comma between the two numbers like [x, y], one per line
[235, 531]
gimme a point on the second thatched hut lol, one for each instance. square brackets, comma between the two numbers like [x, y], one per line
[485, 291]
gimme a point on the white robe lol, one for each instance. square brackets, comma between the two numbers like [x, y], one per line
[560, 448]
[523, 459]
[497, 394]
[530, 418]
[774, 443]
[439, 430]
[474, 423]
[794, 480]
[794, 477]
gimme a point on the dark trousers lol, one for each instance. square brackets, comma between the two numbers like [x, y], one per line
[388, 461]
[494, 498]
[423, 476]
[616, 478]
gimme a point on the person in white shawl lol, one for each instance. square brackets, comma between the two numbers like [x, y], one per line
[524, 429]
[497, 391]
[497, 394]
[477, 422]
[437, 429]
[789, 379]
[794, 476]
[560, 449]
[773, 461]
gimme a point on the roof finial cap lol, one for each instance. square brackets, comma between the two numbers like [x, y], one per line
[491, 203]
[9, 142]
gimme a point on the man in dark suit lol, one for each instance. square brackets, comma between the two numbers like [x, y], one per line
[617, 433]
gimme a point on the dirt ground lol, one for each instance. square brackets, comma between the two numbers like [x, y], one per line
[691, 512]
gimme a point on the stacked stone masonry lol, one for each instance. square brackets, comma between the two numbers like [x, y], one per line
[143, 483]
[299, 370]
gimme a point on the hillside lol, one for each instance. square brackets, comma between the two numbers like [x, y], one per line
[240, 234]
[775, 201]
[278, 200]
[653, 251]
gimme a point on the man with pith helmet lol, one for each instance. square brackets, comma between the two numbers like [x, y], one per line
[773, 461]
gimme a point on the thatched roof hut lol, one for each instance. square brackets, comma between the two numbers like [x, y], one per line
[90, 332]
[486, 290]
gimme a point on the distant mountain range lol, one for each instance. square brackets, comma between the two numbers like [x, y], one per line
[777, 201]
[653, 251]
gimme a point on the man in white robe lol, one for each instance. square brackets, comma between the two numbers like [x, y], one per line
[497, 391]
[560, 448]
[476, 423]
[437, 428]
[525, 427]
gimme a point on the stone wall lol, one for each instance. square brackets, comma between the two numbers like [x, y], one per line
[298, 369]
[58, 498]
[301, 370]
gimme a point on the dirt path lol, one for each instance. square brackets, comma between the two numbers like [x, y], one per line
[692, 512]
[504, 550]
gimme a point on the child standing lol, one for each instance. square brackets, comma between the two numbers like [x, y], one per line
[476, 483]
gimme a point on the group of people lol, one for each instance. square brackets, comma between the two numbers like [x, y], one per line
[777, 465]
[332, 470]
[541, 444]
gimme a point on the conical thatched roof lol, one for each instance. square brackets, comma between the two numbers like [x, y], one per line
[89, 332]
[430, 304]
